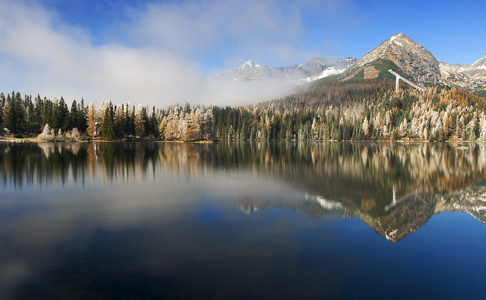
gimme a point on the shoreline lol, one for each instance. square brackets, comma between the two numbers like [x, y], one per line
[36, 140]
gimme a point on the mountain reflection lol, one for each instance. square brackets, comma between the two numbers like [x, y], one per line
[394, 188]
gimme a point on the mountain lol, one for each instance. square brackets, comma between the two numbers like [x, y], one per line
[311, 70]
[414, 61]
[399, 53]
[471, 70]
[411, 59]
[468, 76]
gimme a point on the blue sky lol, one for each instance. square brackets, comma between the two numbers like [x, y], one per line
[161, 52]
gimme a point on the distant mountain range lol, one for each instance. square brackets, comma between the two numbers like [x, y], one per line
[399, 53]
[312, 70]
[469, 76]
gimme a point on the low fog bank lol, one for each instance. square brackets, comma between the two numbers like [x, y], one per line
[224, 92]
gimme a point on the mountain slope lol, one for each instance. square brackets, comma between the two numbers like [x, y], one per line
[411, 58]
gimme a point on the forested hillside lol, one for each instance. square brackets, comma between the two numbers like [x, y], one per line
[369, 110]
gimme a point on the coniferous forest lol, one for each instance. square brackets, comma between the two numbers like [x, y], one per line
[322, 111]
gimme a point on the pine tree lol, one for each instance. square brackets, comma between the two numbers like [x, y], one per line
[107, 130]
[73, 116]
[32, 121]
[2, 105]
[81, 117]
[119, 122]
[14, 113]
[131, 121]
[153, 124]
[6, 112]
[63, 115]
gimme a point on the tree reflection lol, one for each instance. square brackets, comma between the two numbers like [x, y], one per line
[394, 188]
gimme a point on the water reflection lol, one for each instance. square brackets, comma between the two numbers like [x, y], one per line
[231, 220]
[394, 188]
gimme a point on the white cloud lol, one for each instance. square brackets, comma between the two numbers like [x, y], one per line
[209, 26]
[53, 63]
[153, 57]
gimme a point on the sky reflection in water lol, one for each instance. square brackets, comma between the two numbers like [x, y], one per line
[337, 220]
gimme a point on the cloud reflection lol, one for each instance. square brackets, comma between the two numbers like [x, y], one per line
[62, 199]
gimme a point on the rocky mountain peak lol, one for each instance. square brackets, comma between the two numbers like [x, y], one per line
[248, 65]
[412, 58]
[477, 67]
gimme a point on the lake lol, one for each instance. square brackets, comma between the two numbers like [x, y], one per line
[242, 221]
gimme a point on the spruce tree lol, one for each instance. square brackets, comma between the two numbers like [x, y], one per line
[107, 130]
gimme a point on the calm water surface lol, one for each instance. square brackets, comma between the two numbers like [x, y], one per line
[242, 221]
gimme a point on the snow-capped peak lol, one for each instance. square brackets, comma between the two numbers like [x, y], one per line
[395, 37]
[398, 35]
[248, 65]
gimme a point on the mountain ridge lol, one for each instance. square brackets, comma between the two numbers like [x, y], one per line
[469, 76]
[308, 71]
[407, 57]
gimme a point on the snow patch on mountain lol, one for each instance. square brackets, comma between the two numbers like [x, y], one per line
[309, 71]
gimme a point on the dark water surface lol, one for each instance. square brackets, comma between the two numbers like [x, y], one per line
[242, 221]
